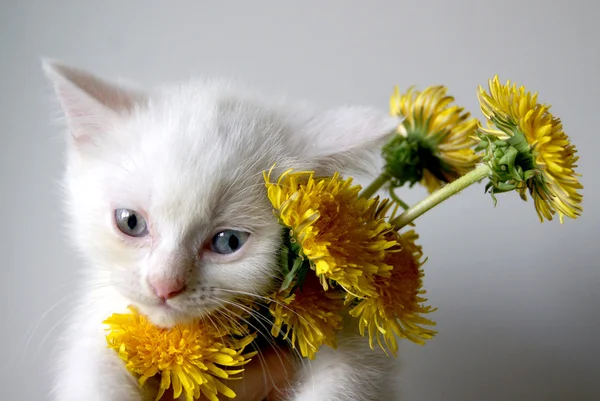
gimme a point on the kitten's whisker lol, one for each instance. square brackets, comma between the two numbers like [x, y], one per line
[84, 321]
[260, 317]
[224, 311]
[50, 332]
[259, 353]
[284, 337]
[271, 342]
[214, 325]
[269, 300]
[35, 327]
[302, 360]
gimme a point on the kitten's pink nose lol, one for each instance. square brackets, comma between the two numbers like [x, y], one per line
[167, 288]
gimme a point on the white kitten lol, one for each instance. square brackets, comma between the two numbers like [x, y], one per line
[167, 204]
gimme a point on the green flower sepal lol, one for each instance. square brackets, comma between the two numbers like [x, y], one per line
[294, 265]
[511, 162]
[406, 158]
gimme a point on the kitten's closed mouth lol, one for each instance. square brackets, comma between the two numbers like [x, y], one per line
[164, 315]
[165, 306]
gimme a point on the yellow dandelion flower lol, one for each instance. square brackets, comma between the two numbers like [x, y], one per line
[544, 155]
[505, 103]
[396, 309]
[191, 359]
[342, 235]
[309, 317]
[436, 140]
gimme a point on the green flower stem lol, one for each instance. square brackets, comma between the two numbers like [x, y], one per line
[399, 201]
[375, 186]
[441, 195]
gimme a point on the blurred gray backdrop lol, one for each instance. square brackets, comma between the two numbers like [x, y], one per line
[513, 325]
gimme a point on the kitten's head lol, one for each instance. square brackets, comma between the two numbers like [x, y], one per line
[165, 192]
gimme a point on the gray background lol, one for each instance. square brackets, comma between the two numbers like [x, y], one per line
[518, 300]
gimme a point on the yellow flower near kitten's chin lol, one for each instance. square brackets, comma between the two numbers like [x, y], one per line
[436, 138]
[512, 111]
[309, 317]
[191, 360]
[395, 311]
[343, 236]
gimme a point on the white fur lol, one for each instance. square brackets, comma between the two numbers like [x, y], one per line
[190, 157]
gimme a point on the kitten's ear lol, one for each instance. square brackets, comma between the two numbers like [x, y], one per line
[90, 104]
[347, 139]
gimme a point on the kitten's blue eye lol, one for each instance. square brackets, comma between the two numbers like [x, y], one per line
[131, 223]
[228, 241]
